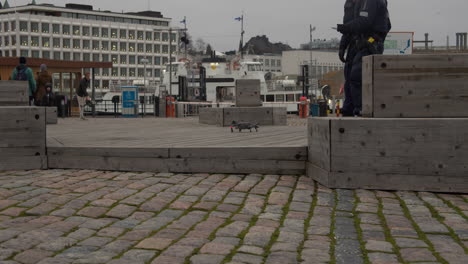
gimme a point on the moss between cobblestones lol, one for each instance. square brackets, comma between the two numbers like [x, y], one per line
[441, 219]
[420, 233]
[332, 230]
[307, 221]
[387, 232]
[357, 224]
[451, 205]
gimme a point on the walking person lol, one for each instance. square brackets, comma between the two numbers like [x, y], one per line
[366, 24]
[82, 94]
[43, 79]
[24, 73]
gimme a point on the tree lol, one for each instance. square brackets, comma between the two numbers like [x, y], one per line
[200, 46]
[209, 50]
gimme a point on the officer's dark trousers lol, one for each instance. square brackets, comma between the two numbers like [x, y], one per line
[353, 82]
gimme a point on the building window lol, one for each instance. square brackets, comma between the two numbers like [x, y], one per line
[140, 48]
[273, 63]
[105, 45]
[95, 32]
[34, 27]
[56, 42]
[35, 41]
[76, 56]
[173, 37]
[149, 35]
[105, 58]
[46, 54]
[149, 73]
[157, 60]
[140, 35]
[174, 48]
[24, 53]
[76, 44]
[105, 72]
[66, 29]
[123, 71]
[157, 48]
[45, 42]
[86, 31]
[6, 28]
[131, 47]
[149, 48]
[115, 59]
[165, 60]
[114, 46]
[86, 57]
[86, 44]
[45, 27]
[105, 83]
[35, 54]
[278, 62]
[140, 58]
[157, 73]
[113, 33]
[96, 57]
[141, 72]
[165, 36]
[66, 43]
[157, 36]
[76, 30]
[123, 46]
[7, 42]
[56, 28]
[267, 62]
[131, 59]
[123, 59]
[96, 45]
[23, 26]
[131, 34]
[132, 72]
[123, 34]
[105, 32]
[66, 56]
[165, 49]
[57, 55]
[24, 41]
[115, 72]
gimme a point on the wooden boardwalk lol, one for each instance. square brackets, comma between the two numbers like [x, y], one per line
[175, 145]
[160, 132]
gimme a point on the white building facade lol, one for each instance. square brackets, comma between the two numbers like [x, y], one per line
[271, 62]
[78, 33]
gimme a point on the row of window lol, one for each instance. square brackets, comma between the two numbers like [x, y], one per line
[104, 18]
[269, 62]
[43, 27]
[86, 44]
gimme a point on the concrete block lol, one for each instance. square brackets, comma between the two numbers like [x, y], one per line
[14, 93]
[51, 115]
[211, 116]
[256, 115]
[248, 93]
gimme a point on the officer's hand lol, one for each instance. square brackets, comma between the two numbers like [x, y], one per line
[341, 54]
[343, 29]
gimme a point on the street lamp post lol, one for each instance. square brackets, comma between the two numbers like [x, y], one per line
[144, 61]
[312, 29]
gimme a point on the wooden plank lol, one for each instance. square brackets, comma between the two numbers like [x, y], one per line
[23, 163]
[400, 146]
[399, 182]
[368, 86]
[22, 151]
[109, 152]
[51, 115]
[242, 153]
[318, 174]
[318, 134]
[14, 93]
[418, 86]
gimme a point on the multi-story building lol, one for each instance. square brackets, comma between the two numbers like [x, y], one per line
[79, 33]
[271, 62]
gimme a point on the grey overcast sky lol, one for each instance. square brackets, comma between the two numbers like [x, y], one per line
[288, 21]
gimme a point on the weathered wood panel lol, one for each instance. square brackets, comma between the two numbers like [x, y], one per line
[318, 134]
[14, 93]
[22, 138]
[416, 86]
[51, 115]
[187, 160]
[391, 153]
[368, 86]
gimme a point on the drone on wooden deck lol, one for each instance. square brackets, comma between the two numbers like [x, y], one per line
[243, 126]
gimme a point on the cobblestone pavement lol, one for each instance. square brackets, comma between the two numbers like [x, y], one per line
[69, 216]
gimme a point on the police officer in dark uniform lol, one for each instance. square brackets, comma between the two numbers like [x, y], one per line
[366, 24]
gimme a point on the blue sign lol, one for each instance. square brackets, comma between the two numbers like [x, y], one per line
[129, 101]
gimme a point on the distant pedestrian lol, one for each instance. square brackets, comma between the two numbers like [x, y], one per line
[43, 79]
[82, 94]
[48, 99]
[24, 73]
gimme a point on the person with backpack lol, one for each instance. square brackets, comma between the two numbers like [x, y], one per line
[24, 73]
